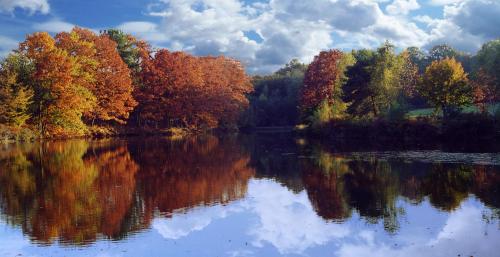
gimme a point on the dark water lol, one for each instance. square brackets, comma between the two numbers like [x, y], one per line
[245, 196]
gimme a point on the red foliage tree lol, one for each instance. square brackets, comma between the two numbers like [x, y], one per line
[179, 89]
[320, 79]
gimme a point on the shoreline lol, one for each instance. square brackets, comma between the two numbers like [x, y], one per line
[465, 130]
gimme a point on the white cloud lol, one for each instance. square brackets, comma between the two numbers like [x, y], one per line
[300, 29]
[276, 210]
[402, 7]
[478, 17]
[287, 220]
[183, 224]
[461, 234]
[145, 30]
[445, 2]
[7, 45]
[287, 29]
[53, 26]
[32, 6]
[466, 25]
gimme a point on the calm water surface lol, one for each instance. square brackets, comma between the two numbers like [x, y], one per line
[268, 195]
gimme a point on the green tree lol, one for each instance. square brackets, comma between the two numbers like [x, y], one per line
[386, 80]
[417, 57]
[488, 60]
[15, 95]
[375, 82]
[356, 91]
[274, 100]
[445, 86]
[127, 46]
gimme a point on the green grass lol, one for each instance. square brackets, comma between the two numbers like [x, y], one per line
[428, 112]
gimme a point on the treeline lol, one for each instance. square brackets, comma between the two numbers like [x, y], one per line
[75, 82]
[382, 84]
[80, 83]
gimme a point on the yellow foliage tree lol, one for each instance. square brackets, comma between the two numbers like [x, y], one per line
[445, 86]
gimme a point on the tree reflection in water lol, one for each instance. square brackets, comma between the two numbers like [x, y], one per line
[373, 187]
[76, 192]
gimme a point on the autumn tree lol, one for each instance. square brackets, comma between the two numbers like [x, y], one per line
[170, 84]
[226, 87]
[443, 51]
[445, 86]
[484, 90]
[107, 76]
[59, 97]
[320, 80]
[113, 86]
[182, 90]
[386, 79]
[15, 93]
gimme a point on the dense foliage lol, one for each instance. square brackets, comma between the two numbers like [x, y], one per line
[274, 101]
[64, 85]
[79, 82]
[445, 85]
[383, 84]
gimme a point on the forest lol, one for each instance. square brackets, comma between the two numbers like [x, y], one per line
[82, 83]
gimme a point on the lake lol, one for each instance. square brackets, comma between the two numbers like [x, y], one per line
[247, 195]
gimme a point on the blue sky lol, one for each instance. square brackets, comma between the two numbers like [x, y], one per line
[264, 34]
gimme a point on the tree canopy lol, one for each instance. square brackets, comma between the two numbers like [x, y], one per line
[445, 86]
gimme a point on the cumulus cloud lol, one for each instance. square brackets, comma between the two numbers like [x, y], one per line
[279, 210]
[402, 6]
[276, 210]
[32, 6]
[479, 17]
[286, 29]
[465, 25]
[460, 236]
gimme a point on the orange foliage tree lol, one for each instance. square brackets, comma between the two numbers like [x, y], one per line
[108, 74]
[182, 90]
[483, 86]
[60, 95]
[80, 77]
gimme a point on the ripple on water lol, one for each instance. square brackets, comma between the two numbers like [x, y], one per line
[429, 157]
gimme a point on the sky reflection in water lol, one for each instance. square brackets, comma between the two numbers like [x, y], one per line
[243, 196]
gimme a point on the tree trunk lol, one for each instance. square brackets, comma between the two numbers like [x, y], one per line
[375, 111]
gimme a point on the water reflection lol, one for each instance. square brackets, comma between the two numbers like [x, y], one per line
[339, 184]
[259, 195]
[76, 191]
